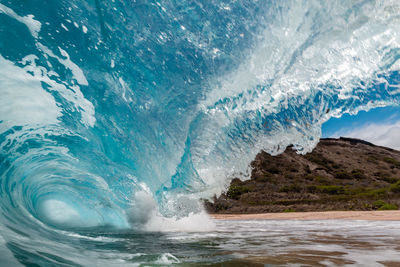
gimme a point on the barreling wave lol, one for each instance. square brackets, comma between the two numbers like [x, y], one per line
[108, 104]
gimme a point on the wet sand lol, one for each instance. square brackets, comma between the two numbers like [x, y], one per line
[387, 215]
[307, 243]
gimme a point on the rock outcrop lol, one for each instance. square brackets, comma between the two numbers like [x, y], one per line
[340, 174]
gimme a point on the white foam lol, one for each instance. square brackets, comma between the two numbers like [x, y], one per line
[32, 24]
[193, 222]
[125, 90]
[306, 45]
[33, 111]
[145, 216]
[64, 27]
[167, 259]
[23, 101]
[76, 71]
[71, 93]
[295, 58]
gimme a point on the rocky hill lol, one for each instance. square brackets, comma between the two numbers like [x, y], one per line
[340, 174]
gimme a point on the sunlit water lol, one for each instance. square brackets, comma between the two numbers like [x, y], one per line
[113, 113]
[232, 243]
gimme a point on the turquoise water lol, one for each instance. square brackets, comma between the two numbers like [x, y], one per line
[121, 115]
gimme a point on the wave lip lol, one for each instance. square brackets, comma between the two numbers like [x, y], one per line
[103, 101]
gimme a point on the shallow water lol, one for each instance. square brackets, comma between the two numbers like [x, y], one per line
[232, 243]
[112, 111]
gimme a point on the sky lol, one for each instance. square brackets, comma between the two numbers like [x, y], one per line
[380, 126]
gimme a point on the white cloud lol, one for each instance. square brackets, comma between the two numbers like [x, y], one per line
[386, 134]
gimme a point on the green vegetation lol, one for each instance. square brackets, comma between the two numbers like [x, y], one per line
[317, 178]
[385, 176]
[338, 192]
[371, 193]
[358, 174]
[332, 177]
[263, 177]
[321, 180]
[382, 205]
[379, 203]
[289, 210]
[391, 161]
[388, 206]
[343, 175]
[355, 174]
[290, 188]
[235, 191]
[395, 188]
[390, 180]
[319, 159]
[331, 189]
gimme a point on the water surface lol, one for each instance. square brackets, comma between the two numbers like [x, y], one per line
[233, 243]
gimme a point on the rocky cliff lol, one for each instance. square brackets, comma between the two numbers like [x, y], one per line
[340, 174]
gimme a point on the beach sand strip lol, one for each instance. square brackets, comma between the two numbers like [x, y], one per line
[387, 215]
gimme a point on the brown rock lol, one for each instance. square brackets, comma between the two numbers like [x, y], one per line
[340, 174]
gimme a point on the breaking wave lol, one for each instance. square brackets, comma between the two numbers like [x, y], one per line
[112, 108]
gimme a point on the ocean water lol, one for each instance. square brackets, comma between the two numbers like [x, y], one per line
[116, 117]
[228, 243]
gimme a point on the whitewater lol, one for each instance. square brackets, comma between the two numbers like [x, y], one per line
[118, 117]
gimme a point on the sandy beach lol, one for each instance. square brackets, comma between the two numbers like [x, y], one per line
[389, 215]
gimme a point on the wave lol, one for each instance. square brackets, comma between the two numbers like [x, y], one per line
[106, 101]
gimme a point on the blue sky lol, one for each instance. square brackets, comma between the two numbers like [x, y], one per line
[380, 126]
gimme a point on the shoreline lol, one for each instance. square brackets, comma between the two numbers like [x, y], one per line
[384, 215]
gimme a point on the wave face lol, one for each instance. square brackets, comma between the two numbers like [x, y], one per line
[106, 103]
